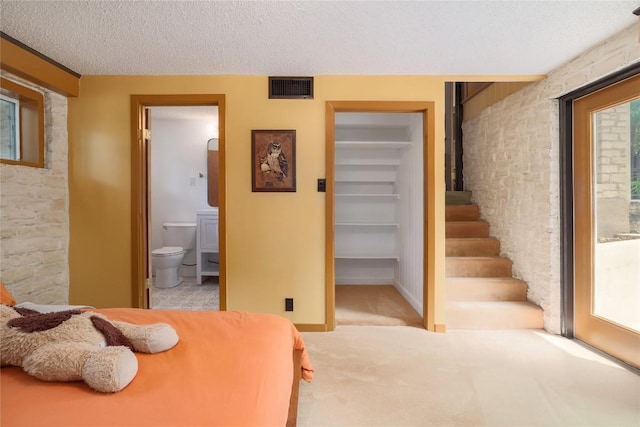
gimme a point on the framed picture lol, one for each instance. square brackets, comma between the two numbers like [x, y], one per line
[273, 160]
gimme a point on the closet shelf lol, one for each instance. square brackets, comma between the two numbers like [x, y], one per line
[367, 181]
[367, 256]
[368, 162]
[374, 144]
[367, 224]
[372, 195]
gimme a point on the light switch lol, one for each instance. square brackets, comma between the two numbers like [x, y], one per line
[192, 181]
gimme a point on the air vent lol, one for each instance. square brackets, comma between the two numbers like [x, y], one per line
[290, 87]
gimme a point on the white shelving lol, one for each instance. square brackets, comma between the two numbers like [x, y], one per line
[378, 204]
[374, 144]
[392, 195]
[366, 210]
[207, 256]
[368, 224]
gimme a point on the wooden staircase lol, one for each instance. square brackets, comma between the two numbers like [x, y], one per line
[481, 292]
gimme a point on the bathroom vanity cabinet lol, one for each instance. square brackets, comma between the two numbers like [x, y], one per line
[207, 259]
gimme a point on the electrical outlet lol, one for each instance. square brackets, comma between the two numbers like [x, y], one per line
[322, 185]
[288, 304]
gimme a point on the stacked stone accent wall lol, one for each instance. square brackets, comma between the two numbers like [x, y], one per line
[511, 164]
[34, 214]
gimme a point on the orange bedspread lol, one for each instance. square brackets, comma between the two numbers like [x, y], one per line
[228, 369]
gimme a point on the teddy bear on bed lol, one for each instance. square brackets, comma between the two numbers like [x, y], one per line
[74, 345]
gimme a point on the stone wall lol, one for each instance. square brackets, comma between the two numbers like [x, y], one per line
[511, 164]
[34, 214]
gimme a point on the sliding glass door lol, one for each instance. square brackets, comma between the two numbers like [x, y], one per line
[607, 219]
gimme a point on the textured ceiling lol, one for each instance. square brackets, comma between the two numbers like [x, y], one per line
[313, 37]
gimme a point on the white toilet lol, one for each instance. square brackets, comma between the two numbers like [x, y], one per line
[178, 238]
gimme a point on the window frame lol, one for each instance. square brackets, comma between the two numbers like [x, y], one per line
[27, 98]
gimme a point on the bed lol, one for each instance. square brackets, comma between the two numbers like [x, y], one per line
[228, 369]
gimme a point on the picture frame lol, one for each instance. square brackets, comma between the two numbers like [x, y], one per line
[273, 160]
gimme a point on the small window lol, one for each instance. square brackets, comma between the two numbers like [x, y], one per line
[21, 125]
[9, 128]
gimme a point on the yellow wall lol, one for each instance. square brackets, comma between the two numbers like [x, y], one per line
[275, 241]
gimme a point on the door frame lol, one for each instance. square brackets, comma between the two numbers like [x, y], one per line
[426, 108]
[601, 333]
[576, 194]
[140, 163]
[567, 213]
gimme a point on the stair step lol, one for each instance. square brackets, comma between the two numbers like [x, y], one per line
[486, 289]
[462, 213]
[493, 315]
[457, 197]
[474, 246]
[466, 229]
[477, 267]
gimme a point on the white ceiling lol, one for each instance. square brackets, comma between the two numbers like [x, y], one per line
[291, 38]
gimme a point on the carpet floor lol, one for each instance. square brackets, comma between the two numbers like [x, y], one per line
[407, 376]
[374, 305]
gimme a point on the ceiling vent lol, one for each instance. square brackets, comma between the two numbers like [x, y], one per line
[290, 87]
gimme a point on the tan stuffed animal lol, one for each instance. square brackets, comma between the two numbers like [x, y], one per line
[73, 345]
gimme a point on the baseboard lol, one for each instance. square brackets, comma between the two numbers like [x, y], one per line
[363, 281]
[417, 306]
[440, 328]
[311, 327]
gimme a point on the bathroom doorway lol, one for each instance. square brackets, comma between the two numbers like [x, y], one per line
[183, 139]
[164, 119]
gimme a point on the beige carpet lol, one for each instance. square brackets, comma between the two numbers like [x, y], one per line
[404, 376]
[373, 305]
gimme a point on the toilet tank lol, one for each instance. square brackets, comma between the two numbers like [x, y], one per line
[181, 234]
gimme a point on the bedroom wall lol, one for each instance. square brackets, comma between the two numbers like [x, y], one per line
[519, 193]
[275, 241]
[34, 214]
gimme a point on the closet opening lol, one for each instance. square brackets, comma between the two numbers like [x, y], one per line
[377, 222]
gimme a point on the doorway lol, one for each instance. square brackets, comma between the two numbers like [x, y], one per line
[379, 218]
[336, 244]
[183, 140]
[607, 233]
[141, 189]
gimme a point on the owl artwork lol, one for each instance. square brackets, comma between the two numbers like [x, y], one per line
[275, 161]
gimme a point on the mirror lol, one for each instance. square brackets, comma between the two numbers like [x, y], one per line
[212, 171]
